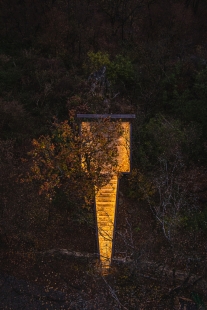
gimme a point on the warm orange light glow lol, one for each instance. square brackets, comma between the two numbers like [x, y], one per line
[124, 148]
[106, 196]
[105, 215]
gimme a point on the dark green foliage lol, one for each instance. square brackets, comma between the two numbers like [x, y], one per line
[10, 74]
[196, 220]
[119, 71]
[198, 300]
[185, 97]
[160, 137]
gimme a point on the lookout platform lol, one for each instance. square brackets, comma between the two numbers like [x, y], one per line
[106, 196]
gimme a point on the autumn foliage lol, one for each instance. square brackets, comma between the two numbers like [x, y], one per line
[75, 162]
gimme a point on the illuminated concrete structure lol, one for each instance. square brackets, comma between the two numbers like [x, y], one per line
[106, 196]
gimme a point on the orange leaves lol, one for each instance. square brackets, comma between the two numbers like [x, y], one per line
[56, 158]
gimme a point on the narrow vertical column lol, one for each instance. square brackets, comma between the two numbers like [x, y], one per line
[105, 215]
[106, 199]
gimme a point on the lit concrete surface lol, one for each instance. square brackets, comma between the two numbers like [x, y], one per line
[124, 148]
[105, 216]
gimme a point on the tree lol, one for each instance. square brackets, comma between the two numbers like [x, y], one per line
[164, 154]
[74, 163]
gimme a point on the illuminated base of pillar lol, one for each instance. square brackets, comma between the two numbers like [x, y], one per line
[105, 214]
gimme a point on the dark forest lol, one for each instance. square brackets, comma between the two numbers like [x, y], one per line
[60, 58]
